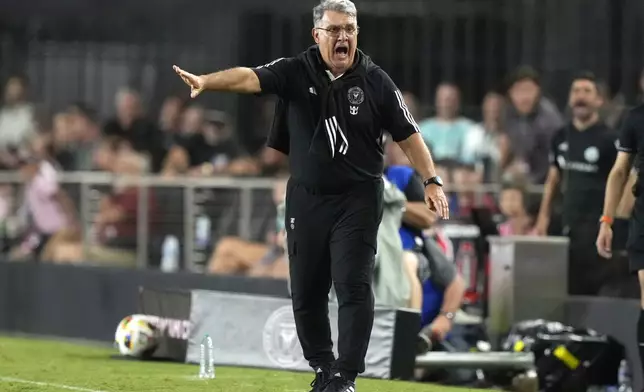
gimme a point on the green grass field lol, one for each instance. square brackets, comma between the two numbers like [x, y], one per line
[36, 365]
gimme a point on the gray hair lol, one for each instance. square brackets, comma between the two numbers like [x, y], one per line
[343, 6]
[124, 92]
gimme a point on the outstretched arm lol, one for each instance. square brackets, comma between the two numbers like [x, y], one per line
[239, 80]
[270, 78]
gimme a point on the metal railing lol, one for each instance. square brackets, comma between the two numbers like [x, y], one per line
[241, 207]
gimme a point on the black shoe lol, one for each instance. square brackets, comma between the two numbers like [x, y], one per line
[321, 380]
[338, 383]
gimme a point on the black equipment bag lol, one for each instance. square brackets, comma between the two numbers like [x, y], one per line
[567, 359]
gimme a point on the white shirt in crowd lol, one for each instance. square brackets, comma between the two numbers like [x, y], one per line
[17, 124]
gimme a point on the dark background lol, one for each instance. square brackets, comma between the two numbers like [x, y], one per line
[73, 49]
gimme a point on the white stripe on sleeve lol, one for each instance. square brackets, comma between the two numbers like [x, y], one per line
[271, 63]
[407, 114]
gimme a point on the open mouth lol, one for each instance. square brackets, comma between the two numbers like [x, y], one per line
[341, 51]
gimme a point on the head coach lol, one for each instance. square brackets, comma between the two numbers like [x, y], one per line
[334, 105]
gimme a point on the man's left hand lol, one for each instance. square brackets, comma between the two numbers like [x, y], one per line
[440, 327]
[436, 200]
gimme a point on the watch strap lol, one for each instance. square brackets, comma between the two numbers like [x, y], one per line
[432, 180]
[448, 315]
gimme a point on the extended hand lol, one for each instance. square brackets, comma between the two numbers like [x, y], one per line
[196, 83]
[436, 200]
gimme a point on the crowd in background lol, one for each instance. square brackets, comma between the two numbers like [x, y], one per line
[508, 144]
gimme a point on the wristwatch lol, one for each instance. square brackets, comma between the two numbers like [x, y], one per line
[448, 315]
[436, 180]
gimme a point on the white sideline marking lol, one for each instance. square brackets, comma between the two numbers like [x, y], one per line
[48, 384]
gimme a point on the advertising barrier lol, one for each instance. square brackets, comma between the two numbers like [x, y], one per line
[259, 331]
[89, 302]
[169, 311]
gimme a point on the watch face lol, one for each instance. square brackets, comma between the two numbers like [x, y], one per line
[438, 180]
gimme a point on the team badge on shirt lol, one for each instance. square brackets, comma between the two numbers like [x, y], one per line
[591, 154]
[356, 95]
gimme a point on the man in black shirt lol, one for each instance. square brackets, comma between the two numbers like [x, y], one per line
[631, 143]
[334, 104]
[131, 125]
[581, 156]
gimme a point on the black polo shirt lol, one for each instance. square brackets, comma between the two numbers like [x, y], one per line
[584, 160]
[631, 138]
[366, 107]
[631, 141]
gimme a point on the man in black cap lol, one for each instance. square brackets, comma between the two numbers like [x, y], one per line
[334, 105]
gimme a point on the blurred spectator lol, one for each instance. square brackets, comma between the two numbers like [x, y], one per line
[613, 109]
[467, 181]
[234, 255]
[205, 145]
[515, 208]
[63, 141]
[529, 121]
[483, 146]
[115, 224]
[85, 137]
[104, 157]
[434, 283]
[446, 133]
[48, 207]
[169, 117]
[416, 218]
[17, 116]
[131, 124]
[395, 284]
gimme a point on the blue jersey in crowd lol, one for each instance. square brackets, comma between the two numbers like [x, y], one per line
[404, 178]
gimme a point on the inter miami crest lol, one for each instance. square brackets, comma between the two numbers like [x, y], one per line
[355, 97]
[280, 342]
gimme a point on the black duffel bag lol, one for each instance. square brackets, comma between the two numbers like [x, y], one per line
[567, 359]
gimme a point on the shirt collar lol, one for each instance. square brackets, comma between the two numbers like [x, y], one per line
[330, 75]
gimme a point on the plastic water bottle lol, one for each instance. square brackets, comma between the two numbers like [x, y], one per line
[207, 358]
[170, 254]
[624, 377]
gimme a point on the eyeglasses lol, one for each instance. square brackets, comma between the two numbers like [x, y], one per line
[335, 31]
